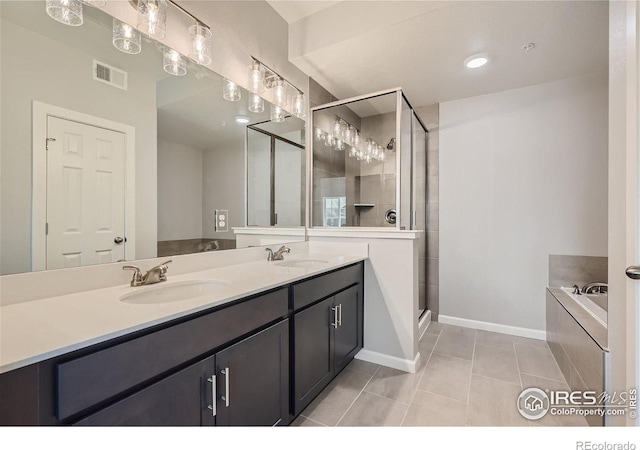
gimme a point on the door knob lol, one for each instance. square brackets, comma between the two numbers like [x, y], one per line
[118, 240]
[633, 272]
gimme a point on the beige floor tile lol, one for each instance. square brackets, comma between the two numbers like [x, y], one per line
[302, 421]
[394, 384]
[538, 361]
[493, 403]
[433, 410]
[426, 344]
[328, 407]
[549, 419]
[527, 341]
[447, 376]
[370, 410]
[454, 329]
[434, 328]
[455, 343]
[496, 339]
[361, 366]
[496, 362]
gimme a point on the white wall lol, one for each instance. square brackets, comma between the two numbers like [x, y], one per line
[523, 174]
[179, 192]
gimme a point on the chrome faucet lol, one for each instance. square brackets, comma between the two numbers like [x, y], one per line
[154, 275]
[278, 255]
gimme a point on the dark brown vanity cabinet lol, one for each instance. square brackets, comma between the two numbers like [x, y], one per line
[327, 333]
[245, 384]
[251, 362]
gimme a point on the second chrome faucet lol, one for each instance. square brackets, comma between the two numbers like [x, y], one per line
[154, 275]
[278, 255]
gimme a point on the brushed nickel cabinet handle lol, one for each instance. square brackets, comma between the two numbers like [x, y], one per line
[212, 406]
[225, 397]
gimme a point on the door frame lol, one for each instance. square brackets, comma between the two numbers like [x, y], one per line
[40, 113]
[622, 371]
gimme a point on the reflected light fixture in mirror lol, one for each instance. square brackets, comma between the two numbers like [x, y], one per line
[200, 37]
[152, 18]
[95, 3]
[256, 103]
[68, 12]
[126, 38]
[174, 62]
[256, 77]
[231, 91]
[277, 114]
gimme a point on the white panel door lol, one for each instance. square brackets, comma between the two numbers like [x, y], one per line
[85, 194]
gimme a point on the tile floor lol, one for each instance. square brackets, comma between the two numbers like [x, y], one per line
[465, 378]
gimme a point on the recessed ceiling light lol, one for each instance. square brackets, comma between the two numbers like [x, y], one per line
[242, 119]
[475, 61]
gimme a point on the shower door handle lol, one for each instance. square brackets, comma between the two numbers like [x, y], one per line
[633, 272]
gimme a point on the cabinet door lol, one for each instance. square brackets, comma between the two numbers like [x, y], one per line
[348, 335]
[180, 399]
[313, 337]
[253, 379]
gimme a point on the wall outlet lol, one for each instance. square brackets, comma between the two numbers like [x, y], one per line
[222, 220]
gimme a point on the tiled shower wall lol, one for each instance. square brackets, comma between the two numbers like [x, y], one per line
[430, 258]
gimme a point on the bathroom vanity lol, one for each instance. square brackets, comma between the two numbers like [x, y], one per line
[257, 359]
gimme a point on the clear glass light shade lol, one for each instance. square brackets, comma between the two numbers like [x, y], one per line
[339, 145]
[174, 63]
[231, 91]
[318, 134]
[256, 103]
[68, 12]
[277, 114]
[329, 140]
[200, 38]
[126, 38]
[256, 77]
[280, 92]
[300, 106]
[96, 3]
[356, 139]
[336, 128]
[152, 18]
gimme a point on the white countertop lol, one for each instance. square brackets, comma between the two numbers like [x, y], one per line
[37, 330]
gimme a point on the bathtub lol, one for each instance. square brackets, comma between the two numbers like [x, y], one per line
[594, 309]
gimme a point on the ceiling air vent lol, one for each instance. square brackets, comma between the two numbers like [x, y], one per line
[109, 75]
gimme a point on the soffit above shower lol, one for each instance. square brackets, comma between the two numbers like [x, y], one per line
[351, 47]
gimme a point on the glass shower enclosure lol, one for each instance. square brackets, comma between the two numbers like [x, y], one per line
[369, 166]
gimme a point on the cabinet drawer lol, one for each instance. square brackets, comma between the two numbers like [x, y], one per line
[307, 292]
[91, 379]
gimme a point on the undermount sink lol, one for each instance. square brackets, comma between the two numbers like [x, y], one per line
[304, 263]
[174, 292]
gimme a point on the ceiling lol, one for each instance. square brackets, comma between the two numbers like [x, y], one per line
[356, 47]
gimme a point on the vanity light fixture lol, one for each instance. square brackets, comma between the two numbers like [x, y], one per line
[68, 12]
[256, 103]
[200, 37]
[231, 91]
[256, 77]
[174, 62]
[280, 92]
[126, 38]
[476, 61]
[277, 114]
[152, 18]
[242, 119]
[300, 106]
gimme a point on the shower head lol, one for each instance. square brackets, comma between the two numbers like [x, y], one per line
[391, 144]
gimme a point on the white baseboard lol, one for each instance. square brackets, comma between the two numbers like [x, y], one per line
[406, 365]
[423, 323]
[495, 327]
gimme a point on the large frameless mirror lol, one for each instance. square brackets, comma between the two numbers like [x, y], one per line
[116, 148]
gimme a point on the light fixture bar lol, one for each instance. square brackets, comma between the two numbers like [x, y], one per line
[134, 3]
[272, 74]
